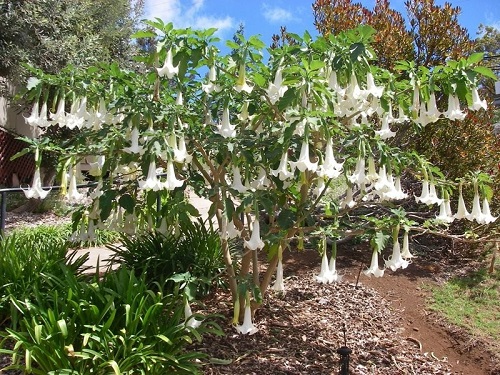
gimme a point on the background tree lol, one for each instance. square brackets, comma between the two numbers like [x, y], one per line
[431, 36]
[51, 34]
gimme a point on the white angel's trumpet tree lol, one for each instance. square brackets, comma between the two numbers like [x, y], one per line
[322, 106]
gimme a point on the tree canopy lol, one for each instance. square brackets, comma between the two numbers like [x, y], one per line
[51, 34]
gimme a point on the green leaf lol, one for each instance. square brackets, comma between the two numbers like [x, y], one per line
[475, 58]
[143, 34]
[127, 202]
[486, 72]
[379, 240]
[286, 219]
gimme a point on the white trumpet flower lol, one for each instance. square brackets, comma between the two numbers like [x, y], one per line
[172, 181]
[247, 328]
[237, 183]
[134, 148]
[36, 191]
[358, 177]
[325, 275]
[255, 242]
[374, 270]
[396, 261]
[405, 252]
[73, 195]
[385, 132]
[152, 182]
[282, 172]
[168, 69]
[279, 285]
[487, 217]
[211, 86]
[477, 103]
[454, 112]
[304, 163]
[462, 212]
[376, 91]
[330, 168]
[261, 182]
[276, 90]
[225, 128]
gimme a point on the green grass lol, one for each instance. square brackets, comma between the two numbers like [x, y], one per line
[472, 302]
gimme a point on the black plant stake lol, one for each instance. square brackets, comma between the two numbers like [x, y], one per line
[344, 352]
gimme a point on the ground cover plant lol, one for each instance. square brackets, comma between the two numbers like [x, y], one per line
[262, 141]
[109, 325]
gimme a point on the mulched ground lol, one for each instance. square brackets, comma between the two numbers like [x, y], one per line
[388, 327]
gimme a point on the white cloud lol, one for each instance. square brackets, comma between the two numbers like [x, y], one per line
[275, 14]
[184, 13]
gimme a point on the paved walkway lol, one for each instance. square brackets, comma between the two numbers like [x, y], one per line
[102, 255]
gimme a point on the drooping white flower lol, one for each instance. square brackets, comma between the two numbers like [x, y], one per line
[405, 252]
[225, 128]
[454, 112]
[358, 177]
[172, 181]
[261, 182]
[77, 115]
[396, 261]
[325, 275]
[232, 231]
[276, 90]
[36, 191]
[247, 327]
[333, 84]
[432, 113]
[182, 155]
[428, 195]
[279, 284]
[168, 69]
[282, 171]
[462, 212]
[190, 320]
[374, 270]
[348, 201]
[371, 88]
[401, 115]
[134, 148]
[34, 118]
[211, 86]
[304, 163]
[237, 183]
[382, 185]
[333, 269]
[152, 182]
[487, 217]
[385, 132]
[330, 168]
[241, 83]
[60, 116]
[477, 103]
[443, 214]
[399, 193]
[73, 195]
[255, 242]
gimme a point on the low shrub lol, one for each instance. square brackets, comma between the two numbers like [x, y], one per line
[196, 250]
[111, 325]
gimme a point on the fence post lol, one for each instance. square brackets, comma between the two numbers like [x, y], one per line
[3, 212]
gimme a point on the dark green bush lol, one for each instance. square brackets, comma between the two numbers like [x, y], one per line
[196, 250]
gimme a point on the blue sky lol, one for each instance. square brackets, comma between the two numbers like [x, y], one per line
[266, 17]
